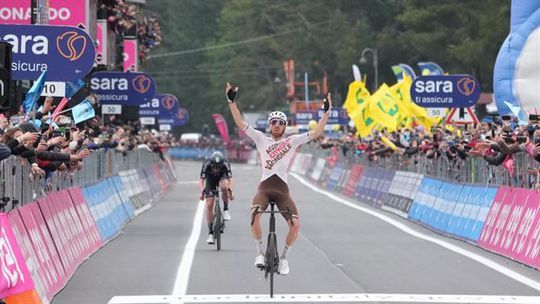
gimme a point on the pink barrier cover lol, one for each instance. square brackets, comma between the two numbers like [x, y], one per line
[512, 225]
[15, 276]
[350, 187]
[51, 269]
[89, 225]
[32, 262]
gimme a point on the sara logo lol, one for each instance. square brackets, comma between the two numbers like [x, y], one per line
[466, 86]
[181, 114]
[168, 102]
[141, 84]
[71, 45]
[445, 91]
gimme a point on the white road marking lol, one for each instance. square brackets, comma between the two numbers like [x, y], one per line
[332, 298]
[193, 182]
[485, 261]
[182, 276]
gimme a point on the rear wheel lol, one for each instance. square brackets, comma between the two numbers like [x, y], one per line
[217, 230]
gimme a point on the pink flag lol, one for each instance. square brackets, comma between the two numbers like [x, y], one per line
[221, 125]
[60, 106]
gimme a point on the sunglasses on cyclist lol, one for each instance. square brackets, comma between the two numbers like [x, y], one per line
[277, 121]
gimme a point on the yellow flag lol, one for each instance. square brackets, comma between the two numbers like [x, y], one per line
[383, 109]
[356, 96]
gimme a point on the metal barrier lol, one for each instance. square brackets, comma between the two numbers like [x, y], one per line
[18, 187]
[472, 170]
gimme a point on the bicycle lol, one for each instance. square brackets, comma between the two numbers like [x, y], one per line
[271, 257]
[219, 222]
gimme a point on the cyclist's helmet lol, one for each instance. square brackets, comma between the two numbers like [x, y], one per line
[217, 158]
[277, 115]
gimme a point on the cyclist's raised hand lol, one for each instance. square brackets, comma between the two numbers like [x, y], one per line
[230, 93]
[328, 102]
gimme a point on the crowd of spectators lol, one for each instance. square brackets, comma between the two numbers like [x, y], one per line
[59, 145]
[124, 18]
[496, 140]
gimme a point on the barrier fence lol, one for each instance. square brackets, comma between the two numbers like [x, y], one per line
[47, 236]
[472, 170]
[499, 218]
[238, 155]
[18, 188]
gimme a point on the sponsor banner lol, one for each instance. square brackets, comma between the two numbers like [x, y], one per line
[61, 12]
[66, 53]
[401, 192]
[295, 166]
[32, 260]
[425, 198]
[338, 116]
[513, 224]
[334, 177]
[350, 186]
[317, 171]
[305, 164]
[343, 179]
[130, 89]
[445, 205]
[58, 234]
[130, 55]
[107, 211]
[177, 118]
[124, 195]
[449, 91]
[91, 233]
[53, 273]
[15, 274]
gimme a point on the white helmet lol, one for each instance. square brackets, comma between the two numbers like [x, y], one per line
[277, 115]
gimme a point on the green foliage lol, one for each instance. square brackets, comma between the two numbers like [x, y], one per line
[246, 41]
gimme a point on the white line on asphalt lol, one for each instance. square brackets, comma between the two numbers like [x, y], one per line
[182, 276]
[487, 262]
[187, 182]
[332, 298]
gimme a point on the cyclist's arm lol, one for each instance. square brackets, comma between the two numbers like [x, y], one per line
[237, 116]
[319, 130]
[201, 184]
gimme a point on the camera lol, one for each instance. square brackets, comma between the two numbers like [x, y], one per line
[506, 117]
[521, 139]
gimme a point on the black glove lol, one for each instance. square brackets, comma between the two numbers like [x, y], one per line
[231, 95]
[326, 105]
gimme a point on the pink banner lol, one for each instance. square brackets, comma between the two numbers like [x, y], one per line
[51, 269]
[15, 275]
[130, 55]
[89, 225]
[222, 127]
[32, 261]
[61, 12]
[511, 224]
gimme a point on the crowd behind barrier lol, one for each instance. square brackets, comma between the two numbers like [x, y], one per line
[500, 152]
[499, 218]
[53, 232]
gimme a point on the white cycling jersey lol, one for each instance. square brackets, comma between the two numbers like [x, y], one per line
[275, 155]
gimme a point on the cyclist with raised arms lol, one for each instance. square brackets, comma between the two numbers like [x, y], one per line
[216, 170]
[276, 153]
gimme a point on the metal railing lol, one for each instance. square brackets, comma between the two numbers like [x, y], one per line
[472, 170]
[18, 187]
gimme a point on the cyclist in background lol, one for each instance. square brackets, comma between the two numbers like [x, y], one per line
[276, 153]
[215, 171]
